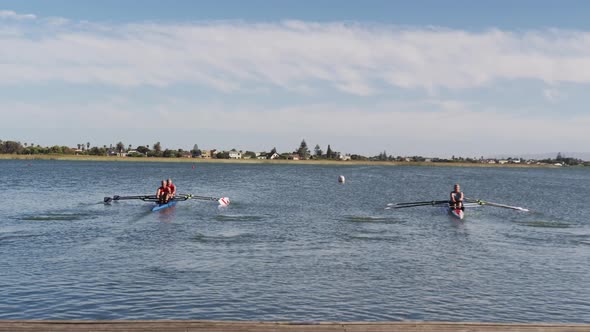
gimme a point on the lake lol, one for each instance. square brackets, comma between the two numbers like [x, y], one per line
[294, 244]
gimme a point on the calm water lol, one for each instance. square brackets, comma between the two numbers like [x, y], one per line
[293, 245]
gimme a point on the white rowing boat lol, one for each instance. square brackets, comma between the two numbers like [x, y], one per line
[457, 213]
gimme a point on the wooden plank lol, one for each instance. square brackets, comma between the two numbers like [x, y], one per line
[224, 326]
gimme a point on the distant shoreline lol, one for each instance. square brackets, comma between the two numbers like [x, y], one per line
[258, 161]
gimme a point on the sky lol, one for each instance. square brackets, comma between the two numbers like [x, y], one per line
[430, 78]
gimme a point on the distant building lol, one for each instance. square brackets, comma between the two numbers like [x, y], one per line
[233, 154]
[186, 154]
[206, 154]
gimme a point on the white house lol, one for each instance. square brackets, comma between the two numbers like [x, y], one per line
[233, 154]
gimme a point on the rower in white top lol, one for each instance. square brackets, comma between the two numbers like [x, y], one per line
[456, 207]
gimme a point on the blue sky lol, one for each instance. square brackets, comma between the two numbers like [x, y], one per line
[468, 14]
[432, 78]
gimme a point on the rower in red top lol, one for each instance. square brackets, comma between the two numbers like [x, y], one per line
[456, 201]
[163, 193]
[171, 188]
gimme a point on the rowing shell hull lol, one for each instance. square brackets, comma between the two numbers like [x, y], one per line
[457, 213]
[163, 206]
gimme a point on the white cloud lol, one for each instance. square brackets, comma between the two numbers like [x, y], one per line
[418, 76]
[355, 59]
[9, 14]
[553, 95]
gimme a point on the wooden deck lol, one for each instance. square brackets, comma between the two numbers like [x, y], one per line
[219, 326]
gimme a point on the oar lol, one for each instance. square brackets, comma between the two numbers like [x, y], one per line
[402, 207]
[410, 206]
[419, 203]
[223, 201]
[480, 202]
[118, 198]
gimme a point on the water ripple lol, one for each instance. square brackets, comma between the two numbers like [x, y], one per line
[293, 245]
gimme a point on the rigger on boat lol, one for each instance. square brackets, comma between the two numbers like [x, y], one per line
[456, 204]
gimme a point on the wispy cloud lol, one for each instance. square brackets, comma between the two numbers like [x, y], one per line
[553, 95]
[9, 14]
[354, 59]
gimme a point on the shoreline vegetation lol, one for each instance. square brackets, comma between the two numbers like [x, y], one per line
[301, 155]
[68, 157]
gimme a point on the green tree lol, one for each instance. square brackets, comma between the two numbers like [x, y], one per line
[11, 147]
[169, 153]
[303, 151]
[95, 151]
[329, 152]
[222, 155]
[143, 149]
[559, 157]
[317, 151]
[157, 147]
[120, 147]
[55, 149]
[196, 152]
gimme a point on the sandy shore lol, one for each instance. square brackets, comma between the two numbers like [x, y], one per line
[254, 161]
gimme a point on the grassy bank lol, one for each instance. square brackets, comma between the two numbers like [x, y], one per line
[253, 161]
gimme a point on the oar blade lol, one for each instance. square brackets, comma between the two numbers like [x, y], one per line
[107, 200]
[223, 201]
[482, 202]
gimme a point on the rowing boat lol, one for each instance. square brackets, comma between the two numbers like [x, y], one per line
[223, 201]
[163, 206]
[457, 213]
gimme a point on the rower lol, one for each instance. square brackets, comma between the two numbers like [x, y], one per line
[456, 201]
[163, 193]
[171, 188]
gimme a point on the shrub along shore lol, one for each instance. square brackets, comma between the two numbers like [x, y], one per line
[67, 157]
